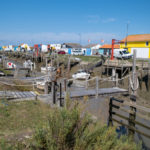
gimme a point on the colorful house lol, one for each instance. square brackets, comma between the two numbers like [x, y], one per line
[139, 42]
[94, 48]
[106, 49]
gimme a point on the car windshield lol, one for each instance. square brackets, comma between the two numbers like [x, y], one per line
[125, 52]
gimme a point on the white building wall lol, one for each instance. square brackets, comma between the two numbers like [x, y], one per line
[56, 46]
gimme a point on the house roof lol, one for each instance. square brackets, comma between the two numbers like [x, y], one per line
[109, 46]
[91, 45]
[137, 38]
[73, 45]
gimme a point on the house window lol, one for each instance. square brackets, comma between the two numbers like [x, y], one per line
[147, 43]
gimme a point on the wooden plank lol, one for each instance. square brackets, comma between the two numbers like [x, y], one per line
[92, 92]
[137, 106]
[134, 105]
[129, 111]
[136, 122]
[146, 135]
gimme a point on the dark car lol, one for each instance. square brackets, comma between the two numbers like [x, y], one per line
[61, 52]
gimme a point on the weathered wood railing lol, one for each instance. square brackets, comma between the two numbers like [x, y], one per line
[116, 105]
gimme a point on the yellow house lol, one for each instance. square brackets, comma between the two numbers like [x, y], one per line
[140, 42]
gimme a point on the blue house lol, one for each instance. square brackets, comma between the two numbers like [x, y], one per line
[88, 52]
[16, 48]
[69, 51]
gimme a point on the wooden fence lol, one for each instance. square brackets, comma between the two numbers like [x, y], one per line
[116, 105]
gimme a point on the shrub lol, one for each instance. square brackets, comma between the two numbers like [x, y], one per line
[69, 129]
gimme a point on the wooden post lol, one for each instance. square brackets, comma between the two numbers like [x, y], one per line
[53, 92]
[107, 67]
[110, 123]
[116, 80]
[132, 116]
[57, 61]
[134, 79]
[113, 76]
[129, 84]
[142, 73]
[60, 86]
[68, 66]
[46, 64]
[96, 95]
[86, 82]
[65, 85]
[46, 88]
[65, 91]
[34, 66]
[52, 59]
[16, 72]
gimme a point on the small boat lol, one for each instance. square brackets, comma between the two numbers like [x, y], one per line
[2, 73]
[81, 75]
[11, 65]
[28, 64]
[44, 69]
[40, 85]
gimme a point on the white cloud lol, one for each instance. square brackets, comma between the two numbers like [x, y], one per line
[108, 20]
[93, 18]
[45, 38]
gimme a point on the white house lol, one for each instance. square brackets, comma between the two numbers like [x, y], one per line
[44, 48]
[25, 47]
[93, 47]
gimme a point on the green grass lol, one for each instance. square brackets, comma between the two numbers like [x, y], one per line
[5, 71]
[89, 58]
[83, 58]
[54, 129]
[19, 117]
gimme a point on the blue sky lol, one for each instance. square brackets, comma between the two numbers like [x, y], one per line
[57, 21]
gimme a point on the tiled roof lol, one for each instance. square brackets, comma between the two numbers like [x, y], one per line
[109, 46]
[137, 38]
[73, 45]
[90, 45]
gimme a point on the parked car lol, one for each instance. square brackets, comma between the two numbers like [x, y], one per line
[61, 52]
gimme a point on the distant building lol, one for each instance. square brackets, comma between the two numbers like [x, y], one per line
[107, 48]
[25, 47]
[8, 48]
[71, 45]
[139, 42]
[94, 48]
[55, 46]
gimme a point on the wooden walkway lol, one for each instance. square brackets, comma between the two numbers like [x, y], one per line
[10, 95]
[17, 94]
[92, 92]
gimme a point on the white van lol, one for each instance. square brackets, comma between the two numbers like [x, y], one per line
[77, 51]
[122, 53]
